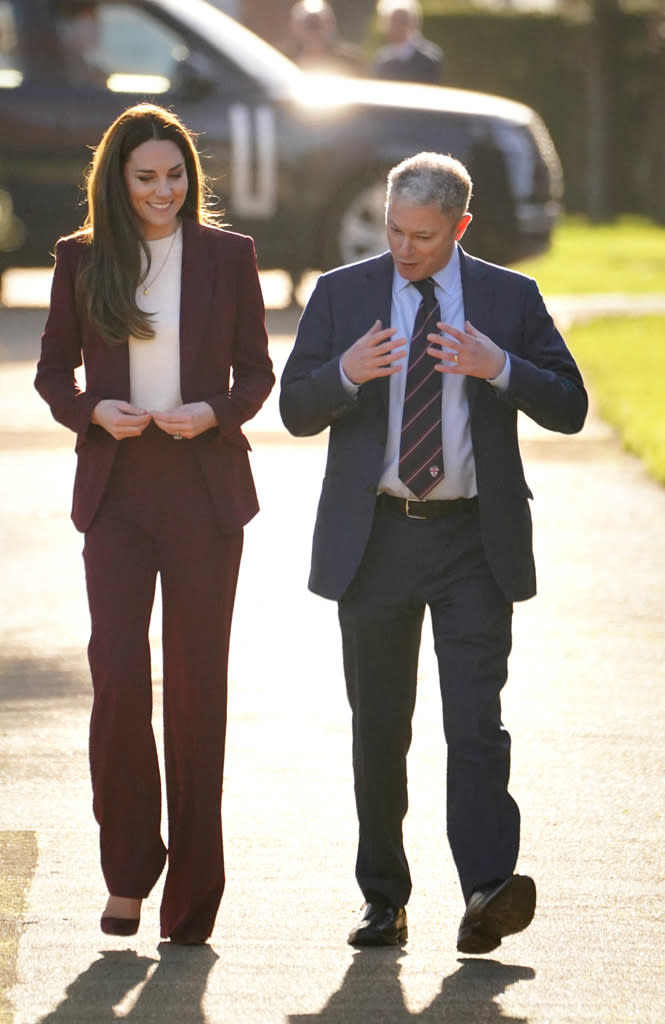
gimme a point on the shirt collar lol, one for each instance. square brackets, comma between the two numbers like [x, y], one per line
[400, 51]
[447, 279]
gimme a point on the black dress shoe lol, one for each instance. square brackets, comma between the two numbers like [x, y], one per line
[380, 925]
[188, 939]
[496, 911]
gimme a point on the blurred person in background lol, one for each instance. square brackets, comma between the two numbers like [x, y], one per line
[314, 43]
[77, 27]
[407, 55]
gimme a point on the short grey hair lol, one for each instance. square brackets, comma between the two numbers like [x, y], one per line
[431, 179]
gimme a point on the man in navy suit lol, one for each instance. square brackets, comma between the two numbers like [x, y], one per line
[456, 538]
[407, 56]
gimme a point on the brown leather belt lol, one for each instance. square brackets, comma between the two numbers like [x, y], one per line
[411, 508]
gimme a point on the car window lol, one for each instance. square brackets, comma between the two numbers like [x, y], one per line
[123, 48]
[11, 64]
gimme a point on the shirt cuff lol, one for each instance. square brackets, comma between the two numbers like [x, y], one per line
[348, 385]
[502, 381]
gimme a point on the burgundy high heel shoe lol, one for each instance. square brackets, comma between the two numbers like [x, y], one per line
[119, 925]
[111, 924]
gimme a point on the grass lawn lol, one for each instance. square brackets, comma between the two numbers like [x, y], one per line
[622, 358]
[628, 256]
[623, 362]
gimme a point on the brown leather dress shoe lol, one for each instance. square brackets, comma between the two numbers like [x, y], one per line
[496, 911]
[380, 925]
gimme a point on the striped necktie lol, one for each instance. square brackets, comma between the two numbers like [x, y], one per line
[421, 452]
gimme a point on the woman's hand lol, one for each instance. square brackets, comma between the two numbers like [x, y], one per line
[120, 419]
[187, 420]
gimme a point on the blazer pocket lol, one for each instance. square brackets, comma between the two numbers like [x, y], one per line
[93, 434]
[236, 439]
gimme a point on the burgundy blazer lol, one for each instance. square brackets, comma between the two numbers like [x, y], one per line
[223, 361]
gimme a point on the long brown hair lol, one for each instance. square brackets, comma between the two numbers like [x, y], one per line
[109, 273]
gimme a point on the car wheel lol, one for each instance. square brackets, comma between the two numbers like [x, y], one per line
[355, 228]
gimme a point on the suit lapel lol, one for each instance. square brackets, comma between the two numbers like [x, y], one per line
[376, 304]
[196, 292]
[478, 306]
[377, 289]
[111, 365]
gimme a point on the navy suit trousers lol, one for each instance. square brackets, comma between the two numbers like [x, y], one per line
[410, 564]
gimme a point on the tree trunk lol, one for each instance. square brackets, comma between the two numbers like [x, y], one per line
[602, 78]
[655, 135]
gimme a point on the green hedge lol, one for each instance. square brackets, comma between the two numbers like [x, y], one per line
[542, 60]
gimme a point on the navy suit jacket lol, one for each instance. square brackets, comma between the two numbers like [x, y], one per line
[222, 332]
[424, 64]
[544, 383]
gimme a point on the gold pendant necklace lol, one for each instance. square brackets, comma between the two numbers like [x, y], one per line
[147, 287]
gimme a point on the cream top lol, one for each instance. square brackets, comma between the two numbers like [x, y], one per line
[154, 365]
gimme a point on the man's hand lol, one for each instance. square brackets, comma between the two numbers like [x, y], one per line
[187, 420]
[120, 419]
[468, 352]
[377, 354]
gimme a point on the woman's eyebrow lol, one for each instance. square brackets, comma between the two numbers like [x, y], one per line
[150, 170]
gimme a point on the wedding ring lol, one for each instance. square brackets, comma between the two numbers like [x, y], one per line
[456, 358]
[177, 437]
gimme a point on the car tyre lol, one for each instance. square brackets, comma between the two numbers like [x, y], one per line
[354, 228]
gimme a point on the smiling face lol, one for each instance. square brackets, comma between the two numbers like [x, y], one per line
[421, 238]
[156, 180]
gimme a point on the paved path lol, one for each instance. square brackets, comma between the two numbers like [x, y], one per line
[584, 704]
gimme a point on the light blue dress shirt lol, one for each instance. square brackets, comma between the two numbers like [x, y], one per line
[459, 479]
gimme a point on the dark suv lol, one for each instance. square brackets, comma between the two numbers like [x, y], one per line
[298, 161]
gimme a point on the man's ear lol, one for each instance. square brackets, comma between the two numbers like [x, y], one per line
[463, 225]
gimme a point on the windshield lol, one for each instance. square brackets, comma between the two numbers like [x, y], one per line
[271, 68]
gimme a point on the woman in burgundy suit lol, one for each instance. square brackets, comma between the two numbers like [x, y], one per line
[166, 314]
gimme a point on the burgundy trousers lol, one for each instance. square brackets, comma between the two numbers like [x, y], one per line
[157, 518]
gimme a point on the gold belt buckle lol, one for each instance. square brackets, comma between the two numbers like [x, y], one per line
[411, 515]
